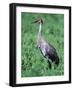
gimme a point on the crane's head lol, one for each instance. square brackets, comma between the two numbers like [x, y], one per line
[40, 20]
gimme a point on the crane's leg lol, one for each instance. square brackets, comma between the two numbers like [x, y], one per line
[50, 64]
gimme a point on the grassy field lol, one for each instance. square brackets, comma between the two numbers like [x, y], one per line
[33, 63]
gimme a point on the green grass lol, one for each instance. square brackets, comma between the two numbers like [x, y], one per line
[32, 61]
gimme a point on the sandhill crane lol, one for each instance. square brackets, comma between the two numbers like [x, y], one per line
[46, 49]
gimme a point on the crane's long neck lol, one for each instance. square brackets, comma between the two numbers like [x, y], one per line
[39, 34]
[40, 28]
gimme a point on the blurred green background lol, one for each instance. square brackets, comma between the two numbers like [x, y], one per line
[32, 61]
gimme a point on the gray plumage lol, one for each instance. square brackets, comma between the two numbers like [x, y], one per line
[46, 49]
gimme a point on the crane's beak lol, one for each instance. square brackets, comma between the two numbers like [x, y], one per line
[38, 21]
